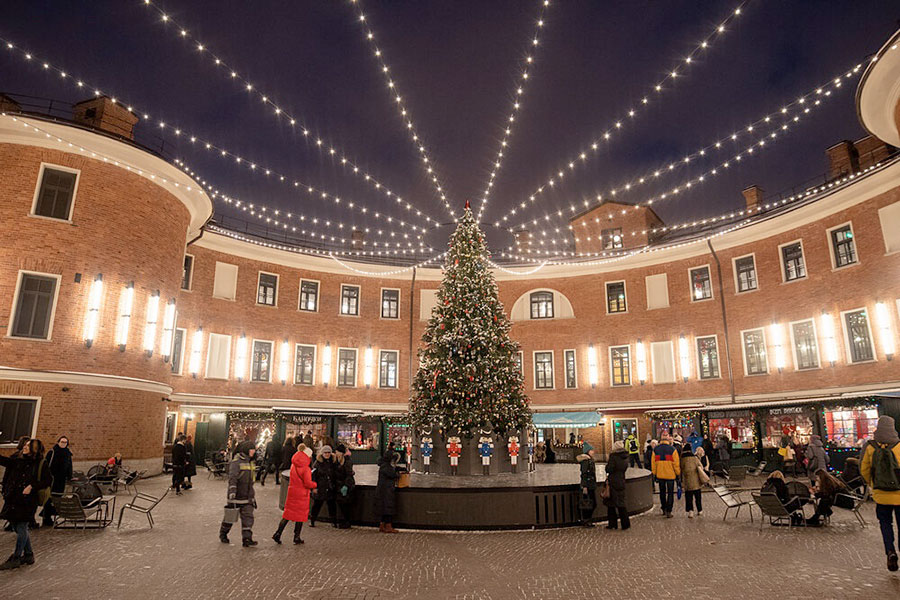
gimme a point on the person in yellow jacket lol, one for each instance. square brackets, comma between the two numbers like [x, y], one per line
[666, 468]
[886, 493]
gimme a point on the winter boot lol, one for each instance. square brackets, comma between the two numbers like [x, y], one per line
[13, 562]
[891, 561]
[248, 542]
[389, 528]
[28, 559]
[223, 537]
[298, 527]
[277, 537]
[381, 527]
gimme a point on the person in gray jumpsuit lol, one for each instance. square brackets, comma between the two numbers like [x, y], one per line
[240, 493]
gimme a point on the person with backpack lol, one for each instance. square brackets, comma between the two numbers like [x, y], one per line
[881, 470]
[634, 451]
[666, 468]
[693, 477]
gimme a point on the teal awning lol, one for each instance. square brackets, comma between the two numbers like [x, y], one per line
[561, 420]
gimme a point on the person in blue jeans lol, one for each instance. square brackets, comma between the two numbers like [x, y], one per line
[666, 468]
[876, 465]
[26, 477]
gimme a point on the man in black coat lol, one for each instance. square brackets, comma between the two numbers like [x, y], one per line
[179, 460]
[59, 462]
[26, 476]
[386, 490]
[271, 461]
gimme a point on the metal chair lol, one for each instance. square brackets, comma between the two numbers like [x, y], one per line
[851, 502]
[736, 476]
[733, 500]
[771, 506]
[70, 512]
[216, 470]
[142, 503]
[758, 470]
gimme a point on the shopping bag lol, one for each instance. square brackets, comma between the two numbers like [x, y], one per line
[678, 492]
[403, 481]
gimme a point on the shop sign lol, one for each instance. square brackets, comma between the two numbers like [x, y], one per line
[731, 414]
[788, 410]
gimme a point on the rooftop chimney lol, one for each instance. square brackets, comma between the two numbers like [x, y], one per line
[754, 196]
[523, 240]
[843, 159]
[358, 238]
[102, 113]
[7, 104]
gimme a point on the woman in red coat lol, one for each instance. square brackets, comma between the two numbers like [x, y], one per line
[296, 507]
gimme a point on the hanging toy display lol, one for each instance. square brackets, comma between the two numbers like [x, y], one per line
[426, 444]
[454, 449]
[485, 450]
[513, 448]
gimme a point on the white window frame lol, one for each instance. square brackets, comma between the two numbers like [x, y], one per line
[522, 363]
[250, 361]
[718, 361]
[315, 348]
[337, 368]
[237, 274]
[606, 297]
[630, 366]
[782, 266]
[566, 366]
[712, 293]
[380, 383]
[190, 286]
[37, 192]
[737, 285]
[794, 344]
[15, 305]
[318, 295]
[34, 422]
[534, 354]
[647, 291]
[277, 288]
[552, 305]
[208, 354]
[744, 351]
[830, 242]
[183, 342]
[358, 300]
[653, 362]
[846, 334]
[381, 303]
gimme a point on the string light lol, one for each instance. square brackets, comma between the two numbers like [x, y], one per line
[385, 273]
[425, 161]
[283, 114]
[237, 161]
[803, 105]
[640, 107]
[523, 70]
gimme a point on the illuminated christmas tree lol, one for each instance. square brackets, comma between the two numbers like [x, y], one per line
[468, 378]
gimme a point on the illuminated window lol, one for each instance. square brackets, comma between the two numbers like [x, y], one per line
[390, 304]
[615, 297]
[620, 365]
[845, 426]
[267, 289]
[612, 238]
[708, 357]
[350, 300]
[571, 372]
[844, 246]
[347, 367]
[701, 286]
[858, 336]
[543, 370]
[261, 361]
[792, 259]
[542, 305]
[755, 360]
[305, 364]
[806, 349]
[387, 369]
[745, 272]
[309, 295]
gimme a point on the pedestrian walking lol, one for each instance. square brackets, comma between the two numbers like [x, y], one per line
[386, 490]
[588, 482]
[309, 441]
[179, 460]
[666, 468]
[323, 475]
[700, 453]
[59, 463]
[190, 463]
[241, 496]
[817, 457]
[271, 461]
[344, 484]
[25, 479]
[296, 507]
[287, 452]
[722, 443]
[634, 451]
[881, 470]
[692, 479]
[695, 440]
[648, 460]
[615, 479]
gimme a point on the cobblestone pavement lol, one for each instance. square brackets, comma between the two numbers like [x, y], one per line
[181, 558]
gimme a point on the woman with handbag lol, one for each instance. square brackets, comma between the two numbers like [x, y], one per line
[588, 500]
[692, 479]
[25, 479]
[615, 482]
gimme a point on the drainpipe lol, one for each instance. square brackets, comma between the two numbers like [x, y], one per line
[412, 289]
[724, 318]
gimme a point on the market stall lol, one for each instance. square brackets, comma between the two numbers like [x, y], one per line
[783, 426]
[740, 428]
[674, 422]
[362, 435]
[562, 430]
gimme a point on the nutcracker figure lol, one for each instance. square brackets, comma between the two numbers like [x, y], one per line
[513, 448]
[485, 450]
[454, 449]
[426, 444]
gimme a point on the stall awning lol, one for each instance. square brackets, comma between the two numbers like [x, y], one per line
[561, 420]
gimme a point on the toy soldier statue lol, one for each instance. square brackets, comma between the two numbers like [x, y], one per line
[427, 446]
[513, 448]
[485, 450]
[454, 449]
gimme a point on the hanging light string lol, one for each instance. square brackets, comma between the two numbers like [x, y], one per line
[230, 157]
[511, 272]
[523, 72]
[388, 273]
[281, 113]
[592, 149]
[403, 109]
[802, 107]
[744, 213]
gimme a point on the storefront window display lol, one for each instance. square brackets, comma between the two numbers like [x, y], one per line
[623, 427]
[737, 426]
[847, 427]
[362, 433]
[301, 425]
[794, 422]
[674, 423]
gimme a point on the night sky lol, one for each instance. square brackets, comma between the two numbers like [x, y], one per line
[456, 65]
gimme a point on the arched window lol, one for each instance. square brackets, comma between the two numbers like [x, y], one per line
[542, 305]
